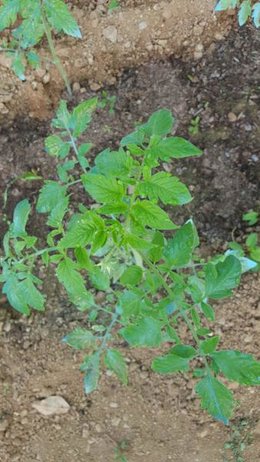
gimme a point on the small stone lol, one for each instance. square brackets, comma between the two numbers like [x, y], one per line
[248, 339]
[113, 405]
[76, 87]
[7, 326]
[257, 430]
[232, 117]
[142, 25]
[3, 109]
[34, 85]
[110, 33]
[94, 86]
[98, 428]
[46, 78]
[115, 422]
[53, 405]
[3, 425]
[85, 433]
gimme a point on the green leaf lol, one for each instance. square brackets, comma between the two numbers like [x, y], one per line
[116, 163]
[92, 372]
[20, 218]
[208, 311]
[169, 364]
[116, 363]
[60, 18]
[55, 146]
[74, 284]
[132, 276]
[146, 332]
[103, 189]
[226, 4]
[256, 14]
[57, 214]
[215, 398]
[22, 294]
[80, 339]
[18, 65]
[63, 117]
[33, 59]
[8, 13]
[113, 209]
[184, 351]
[175, 147]
[179, 249]
[82, 151]
[251, 217]
[31, 30]
[252, 240]
[133, 139]
[238, 367]
[222, 277]
[245, 11]
[130, 304]
[148, 214]
[81, 116]
[160, 123]
[99, 279]
[82, 257]
[52, 193]
[165, 187]
[209, 345]
[80, 234]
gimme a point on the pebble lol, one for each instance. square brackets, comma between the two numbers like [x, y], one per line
[76, 87]
[142, 25]
[110, 33]
[257, 430]
[53, 405]
[113, 405]
[94, 86]
[232, 117]
[3, 425]
[46, 78]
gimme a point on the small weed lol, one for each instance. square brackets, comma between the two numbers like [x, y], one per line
[107, 101]
[240, 438]
[194, 127]
[120, 449]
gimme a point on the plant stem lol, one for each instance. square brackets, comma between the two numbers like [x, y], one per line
[37, 254]
[56, 59]
[107, 334]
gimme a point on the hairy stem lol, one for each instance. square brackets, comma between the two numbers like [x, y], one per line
[56, 59]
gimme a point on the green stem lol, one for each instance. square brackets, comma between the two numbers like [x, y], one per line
[56, 59]
[37, 254]
[107, 334]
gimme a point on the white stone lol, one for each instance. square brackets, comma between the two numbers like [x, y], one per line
[110, 33]
[53, 405]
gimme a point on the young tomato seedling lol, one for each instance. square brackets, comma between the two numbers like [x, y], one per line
[34, 19]
[123, 241]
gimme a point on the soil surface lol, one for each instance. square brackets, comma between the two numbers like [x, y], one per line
[130, 35]
[156, 419]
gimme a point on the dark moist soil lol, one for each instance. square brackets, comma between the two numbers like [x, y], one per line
[158, 417]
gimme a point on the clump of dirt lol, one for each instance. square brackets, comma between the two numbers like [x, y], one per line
[129, 36]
